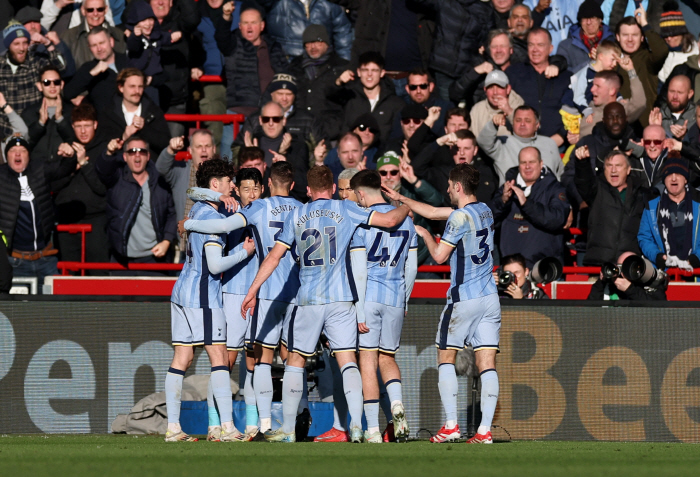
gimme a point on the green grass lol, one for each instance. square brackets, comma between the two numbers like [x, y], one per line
[120, 455]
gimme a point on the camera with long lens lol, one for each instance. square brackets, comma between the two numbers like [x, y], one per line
[546, 271]
[642, 272]
[610, 272]
[505, 278]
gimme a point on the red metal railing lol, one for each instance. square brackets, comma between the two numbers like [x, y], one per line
[81, 229]
[236, 119]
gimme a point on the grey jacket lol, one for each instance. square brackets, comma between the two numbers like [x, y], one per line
[177, 175]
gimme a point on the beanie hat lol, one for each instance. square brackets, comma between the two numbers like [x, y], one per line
[15, 140]
[672, 22]
[12, 31]
[589, 9]
[414, 111]
[675, 166]
[315, 33]
[367, 120]
[283, 81]
[389, 158]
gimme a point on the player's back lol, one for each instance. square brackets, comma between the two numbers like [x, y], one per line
[470, 231]
[387, 252]
[196, 287]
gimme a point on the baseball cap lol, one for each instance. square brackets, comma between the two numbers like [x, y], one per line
[496, 77]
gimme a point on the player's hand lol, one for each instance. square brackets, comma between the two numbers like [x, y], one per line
[114, 145]
[320, 152]
[248, 304]
[161, 248]
[176, 144]
[181, 227]
[679, 131]
[514, 291]
[551, 71]
[392, 194]
[423, 232]
[249, 246]
[345, 77]
[175, 36]
[582, 153]
[65, 150]
[230, 203]
[362, 328]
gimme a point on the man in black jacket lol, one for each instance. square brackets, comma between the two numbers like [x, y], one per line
[131, 112]
[531, 209]
[140, 209]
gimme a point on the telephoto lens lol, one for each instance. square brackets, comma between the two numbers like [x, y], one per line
[505, 278]
[610, 271]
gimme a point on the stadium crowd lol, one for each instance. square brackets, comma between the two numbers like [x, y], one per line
[575, 113]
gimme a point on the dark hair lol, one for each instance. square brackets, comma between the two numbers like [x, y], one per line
[614, 153]
[100, 29]
[501, 31]
[540, 30]
[371, 57]
[628, 21]
[49, 67]
[213, 168]
[368, 179]
[128, 73]
[320, 178]
[420, 71]
[465, 134]
[246, 174]
[83, 112]
[461, 112]
[467, 175]
[687, 42]
[135, 138]
[526, 107]
[514, 258]
[610, 77]
[250, 154]
[282, 174]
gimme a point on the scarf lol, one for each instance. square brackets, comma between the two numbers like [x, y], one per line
[665, 222]
[311, 66]
[591, 43]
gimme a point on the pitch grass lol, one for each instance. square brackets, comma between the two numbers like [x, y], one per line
[121, 455]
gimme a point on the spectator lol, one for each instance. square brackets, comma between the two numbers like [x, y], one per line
[616, 201]
[133, 113]
[435, 162]
[367, 94]
[61, 15]
[555, 18]
[96, 80]
[49, 122]
[367, 129]
[668, 232]
[502, 10]
[251, 61]
[522, 287]
[456, 119]
[19, 71]
[585, 36]
[348, 156]
[140, 211]
[413, 116]
[420, 89]
[315, 71]
[94, 12]
[630, 33]
[17, 125]
[254, 157]
[538, 86]
[40, 39]
[681, 43]
[345, 192]
[287, 20]
[26, 210]
[531, 209]
[500, 99]
[677, 113]
[623, 289]
[81, 197]
[526, 123]
[653, 156]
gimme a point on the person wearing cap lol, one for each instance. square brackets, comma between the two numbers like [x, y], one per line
[288, 19]
[500, 99]
[585, 36]
[681, 43]
[315, 72]
[668, 233]
[413, 116]
[26, 209]
[19, 70]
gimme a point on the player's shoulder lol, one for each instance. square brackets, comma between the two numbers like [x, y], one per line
[203, 211]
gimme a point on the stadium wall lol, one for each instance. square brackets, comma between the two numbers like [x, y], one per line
[566, 372]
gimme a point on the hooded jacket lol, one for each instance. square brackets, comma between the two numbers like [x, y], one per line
[575, 51]
[144, 53]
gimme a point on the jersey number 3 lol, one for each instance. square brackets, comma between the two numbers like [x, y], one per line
[478, 259]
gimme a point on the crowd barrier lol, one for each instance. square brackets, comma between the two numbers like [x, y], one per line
[566, 372]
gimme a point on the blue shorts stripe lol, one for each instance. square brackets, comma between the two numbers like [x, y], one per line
[290, 332]
[445, 326]
[254, 321]
[207, 319]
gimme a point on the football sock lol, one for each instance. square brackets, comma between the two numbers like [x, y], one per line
[251, 409]
[447, 384]
[262, 383]
[384, 402]
[393, 389]
[291, 395]
[211, 407]
[304, 403]
[352, 384]
[372, 415]
[489, 398]
[340, 405]
[221, 387]
[173, 394]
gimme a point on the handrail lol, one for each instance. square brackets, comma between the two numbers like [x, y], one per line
[236, 119]
[81, 229]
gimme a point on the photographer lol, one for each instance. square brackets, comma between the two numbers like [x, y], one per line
[620, 288]
[519, 287]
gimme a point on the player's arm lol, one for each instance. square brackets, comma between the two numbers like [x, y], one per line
[389, 220]
[218, 263]
[266, 268]
[216, 226]
[439, 251]
[410, 272]
[358, 262]
[426, 210]
[202, 194]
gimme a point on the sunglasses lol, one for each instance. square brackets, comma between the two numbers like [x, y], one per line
[99, 9]
[364, 128]
[137, 150]
[407, 121]
[655, 142]
[413, 87]
[393, 173]
[48, 82]
[274, 119]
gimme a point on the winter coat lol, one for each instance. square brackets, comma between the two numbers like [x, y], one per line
[44, 140]
[144, 52]
[77, 41]
[155, 129]
[690, 69]
[101, 88]
[575, 51]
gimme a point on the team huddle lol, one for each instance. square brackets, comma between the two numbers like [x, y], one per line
[279, 273]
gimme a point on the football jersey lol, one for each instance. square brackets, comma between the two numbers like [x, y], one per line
[470, 231]
[387, 251]
[265, 219]
[321, 231]
[196, 287]
[238, 279]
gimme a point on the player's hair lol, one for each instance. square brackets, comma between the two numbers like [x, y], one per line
[526, 107]
[246, 174]
[349, 135]
[366, 179]
[133, 138]
[420, 71]
[203, 131]
[608, 46]
[47, 68]
[371, 57]
[83, 112]
[320, 178]
[213, 168]
[540, 30]
[461, 112]
[498, 32]
[347, 173]
[612, 77]
[252, 153]
[466, 134]
[514, 258]
[614, 153]
[100, 29]
[128, 73]
[539, 154]
[282, 174]
[467, 175]
[627, 21]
